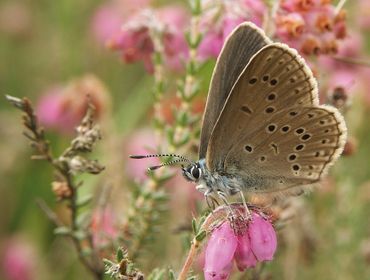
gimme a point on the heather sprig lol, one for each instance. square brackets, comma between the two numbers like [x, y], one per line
[66, 166]
[148, 200]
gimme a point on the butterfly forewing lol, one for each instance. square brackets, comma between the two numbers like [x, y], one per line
[272, 132]
[240, 46]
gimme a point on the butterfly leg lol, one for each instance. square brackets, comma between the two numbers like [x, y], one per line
[211, 201]
[237, 221]
[247, 211]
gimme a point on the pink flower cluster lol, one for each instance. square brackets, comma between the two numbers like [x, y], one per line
[108, 18]
[63, 107]
[220, 19]
[19, 260]
[135, 39]
[136, 42]
[310, 26]
[258, 243]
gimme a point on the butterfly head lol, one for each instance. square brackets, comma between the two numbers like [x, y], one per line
[193, 172]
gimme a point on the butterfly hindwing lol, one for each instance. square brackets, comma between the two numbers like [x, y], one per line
[275, 96]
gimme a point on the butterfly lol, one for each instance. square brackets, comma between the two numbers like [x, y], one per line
[263, 129]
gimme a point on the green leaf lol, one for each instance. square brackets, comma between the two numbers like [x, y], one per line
[108, 262]
[86, 252]
[196, 7]
[62, 231]
[194, 225]
[79, 234]
[83, 201]
[171, 275]
[120, 255]
[83, 219]
[201, 235]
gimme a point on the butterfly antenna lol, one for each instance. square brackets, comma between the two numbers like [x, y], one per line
[160, 155]
[165, 164]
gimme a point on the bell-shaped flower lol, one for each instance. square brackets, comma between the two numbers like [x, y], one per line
[220, 253]
[262, 238]
[244, 256]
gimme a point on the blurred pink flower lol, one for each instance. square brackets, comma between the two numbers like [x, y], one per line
[342, 81]
[135, 45]
[103, 226]
[312, 26]
[290, 26]
[106, 22]
[142, 142]
[48, 108]
[211, 45]
[108, 18]
[350, 47]
[221, 18]
[19, 260]
[62, 108]
[257, 243]
[135, 41]
[300, 5]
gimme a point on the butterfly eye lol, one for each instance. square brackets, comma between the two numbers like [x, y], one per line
[195, 171]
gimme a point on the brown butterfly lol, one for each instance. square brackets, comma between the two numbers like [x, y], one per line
[263, 128]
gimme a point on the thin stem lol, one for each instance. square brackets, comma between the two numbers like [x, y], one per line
[54, 218]
[350, 60]
[189, 260]
[36, 135]
[48, 212]
[339, 6]
[218, 214]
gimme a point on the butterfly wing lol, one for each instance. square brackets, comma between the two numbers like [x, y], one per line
[272, 131]
[240, 46]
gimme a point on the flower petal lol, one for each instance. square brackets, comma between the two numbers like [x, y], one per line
[262, 237]
[244, 256]
[220, 252]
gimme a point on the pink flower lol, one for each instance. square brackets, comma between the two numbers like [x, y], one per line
[220, 252]
[211, 45]
[350, 47]
[135, 45]
[342, 81]
[135, 41]
[290, 26]
[244, 256]
[299, 5]
[258, 243]
[103, 226]
[109, 17]
[62, 107]
[221, 18]
[262, 238]
[106, 23]
[311, 26]
[18, 261]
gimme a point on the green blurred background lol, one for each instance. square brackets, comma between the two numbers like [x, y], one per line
[50, 42]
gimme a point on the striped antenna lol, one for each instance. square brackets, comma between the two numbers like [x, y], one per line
[165, 164]
[160, 155]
